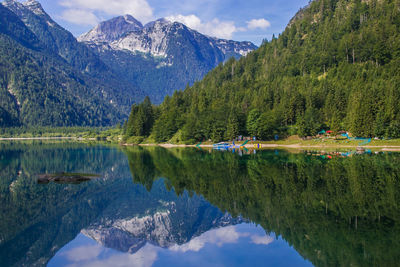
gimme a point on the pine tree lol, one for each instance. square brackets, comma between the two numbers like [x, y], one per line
[232, 129]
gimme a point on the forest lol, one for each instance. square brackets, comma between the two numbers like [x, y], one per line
[48, 79]
[335, 67]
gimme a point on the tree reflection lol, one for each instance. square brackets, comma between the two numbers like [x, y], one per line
[342, 211]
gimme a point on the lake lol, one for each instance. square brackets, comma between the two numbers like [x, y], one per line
[192, 207]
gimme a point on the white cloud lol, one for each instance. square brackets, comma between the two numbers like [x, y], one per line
[258, 24]
[215, 27]
[143, 258]
[221, 236]
[80, 17]
[262, 240]
[140, 9]
[83, 253]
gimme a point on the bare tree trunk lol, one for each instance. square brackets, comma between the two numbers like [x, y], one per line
[356, 222]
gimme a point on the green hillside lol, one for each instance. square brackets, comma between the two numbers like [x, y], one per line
[39, 88]
[336, 66]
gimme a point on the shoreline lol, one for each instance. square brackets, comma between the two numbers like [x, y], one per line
[387, 148]
[43, 138]
[33, 138]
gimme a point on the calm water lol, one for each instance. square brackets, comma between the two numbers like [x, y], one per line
[189, 207]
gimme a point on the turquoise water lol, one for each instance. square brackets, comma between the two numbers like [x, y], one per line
[191, 207]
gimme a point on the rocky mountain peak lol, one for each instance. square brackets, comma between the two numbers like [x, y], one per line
[35, 7]
[12, 3]
[111, 30]
[125, 33]
[31, 5]
[159, 22]
[27, 10]
[129, 19]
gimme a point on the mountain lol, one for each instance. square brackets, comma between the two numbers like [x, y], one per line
[12, 26]
[156, 37]
[49, 78]
[37, 88]
[55, 38]
[336, 66]
[161, 56]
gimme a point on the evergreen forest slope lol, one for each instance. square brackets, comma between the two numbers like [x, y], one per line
[336, 66]
[47, 78]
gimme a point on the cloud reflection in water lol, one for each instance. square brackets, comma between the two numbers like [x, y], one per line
[223, 246]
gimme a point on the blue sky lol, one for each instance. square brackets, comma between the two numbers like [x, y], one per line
[249, 20]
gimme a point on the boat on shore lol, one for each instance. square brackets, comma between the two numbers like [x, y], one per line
[221, 146]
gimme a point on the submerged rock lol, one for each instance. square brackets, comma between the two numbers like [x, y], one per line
[66, 178]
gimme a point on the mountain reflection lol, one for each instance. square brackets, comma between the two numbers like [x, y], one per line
[158, 217]
[172, 206]
[38, 220]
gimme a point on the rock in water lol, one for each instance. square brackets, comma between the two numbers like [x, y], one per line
[66, 178]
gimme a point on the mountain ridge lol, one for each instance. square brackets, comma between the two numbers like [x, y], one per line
[161, 56]
[53, 36]
[120, 27]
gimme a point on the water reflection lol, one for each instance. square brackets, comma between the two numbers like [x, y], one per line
[189, 207]
[338, 211]
[225, 246]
